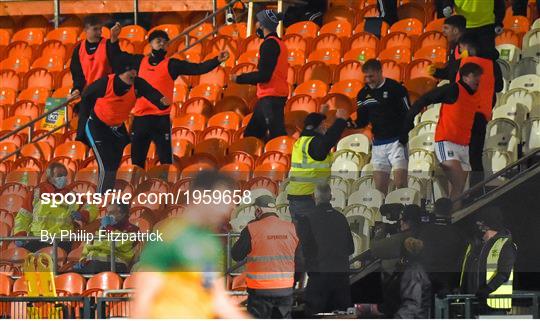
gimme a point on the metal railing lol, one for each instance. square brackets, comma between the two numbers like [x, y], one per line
[468, 306]
[30, 126]
[63, 307]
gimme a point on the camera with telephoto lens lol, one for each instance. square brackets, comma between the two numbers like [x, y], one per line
[229, 16]
[392, 214]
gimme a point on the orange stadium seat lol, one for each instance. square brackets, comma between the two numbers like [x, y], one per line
[67, 36]
[327, 42]
[62, 92]
[401, 55]
[134, 33]
[53, 64]
[194, 122]
[11, 203]
[39, 77]
[340, 13]
[7, 97]
[32, 36]
[72, 283]
[240, 157]
[507, 37]
[417, 69]
[202, 30]
[87, 174]
[342, 29]
[195, 49]
[5, 38]
[7, 218]
[335, 101]
[302, 102]
[75, 150]
[53, 48]
[237, 31]
[348, 70]
[28, 163]
[251, 56]
[274, 157]
[16, 255]
[38, 150]
[14, 122]
[20, 65]
[295, 42]
[181, 147]
[250, 145]
[306, 29]
[262, 183]
[433, 54]
[313, 88]
[102, 281]
[35, 21]
[412, 10]
[60, 254]
[179, 93]
[240, 172]
[10, 79]
[223, 43]
[218, 76]
[26, 176]
[411, 26]
[7, 148]
[295, 118]
[364, 40]
[232, 103]
[391, 69]
[517, 24]
[435, 25]
[25, 108]
[360, 54]
[431, 39]
[349, 88]
[216, 132]
[130, 281]
[282, 144]
[193, 57]
[420, 85]
[215, 147]
[7, 23]
[127, 46]
[328, 56]
[211, 92]
[192, 170]
[251, 43]
[397, 39]
[227, 119]
[274, 171]
[229, 64]
[360, 27]
[315, 70]
[64, 79]
[19, 49]
[369, 11]
[296, 57]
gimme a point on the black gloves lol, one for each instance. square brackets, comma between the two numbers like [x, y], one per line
[483, 292]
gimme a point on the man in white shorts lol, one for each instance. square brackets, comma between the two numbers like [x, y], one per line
[384, 103]
[453, 133]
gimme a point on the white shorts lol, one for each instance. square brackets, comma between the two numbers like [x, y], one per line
[388, 156]
[446, 151]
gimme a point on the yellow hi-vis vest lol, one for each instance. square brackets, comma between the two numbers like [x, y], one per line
[477, 12]
[306, 172]
[491, 269]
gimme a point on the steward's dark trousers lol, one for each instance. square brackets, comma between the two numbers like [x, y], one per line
[270, 307]
[108, 144]
[147, 129]
[268, 116]
[327, 292]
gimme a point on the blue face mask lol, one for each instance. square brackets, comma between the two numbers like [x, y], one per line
[60, 182]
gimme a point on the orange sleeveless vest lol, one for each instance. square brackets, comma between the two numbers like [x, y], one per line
[158, 77]
[278, 85]
[486, 88]
[96, 65]
[114, 110]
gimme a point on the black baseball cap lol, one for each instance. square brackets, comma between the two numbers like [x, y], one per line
[313, 120]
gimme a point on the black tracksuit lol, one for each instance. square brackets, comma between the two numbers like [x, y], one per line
[519, 7]
[108, 142]
[388, 10]
[157, 128]
[268, 114]
[327, 245]
[385, 108]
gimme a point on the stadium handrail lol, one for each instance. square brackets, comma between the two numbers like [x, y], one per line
[31, 124]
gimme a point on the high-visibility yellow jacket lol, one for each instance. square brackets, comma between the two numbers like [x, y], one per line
[477, 12]
[101, 251]
[36, 216]
[305, 171]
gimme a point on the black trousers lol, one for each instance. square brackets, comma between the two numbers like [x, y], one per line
[108, 144]
[147, 129]
[519, 7]
[486, 38]
[268, 117]
[267, 307]
[476, 148]
[388, 10]
[327, 292]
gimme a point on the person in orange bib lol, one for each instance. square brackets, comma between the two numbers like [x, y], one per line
[269, 244]
[453, 131]
[110, 100]
[268, 120]
[90, 61]
[151, 124]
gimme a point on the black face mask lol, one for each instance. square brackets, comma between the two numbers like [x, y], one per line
[159, 53]
[260, 33]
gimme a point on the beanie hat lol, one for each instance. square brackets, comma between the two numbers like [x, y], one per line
[158, 34]
[491, 217]
[313, 120]
[269, 19]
